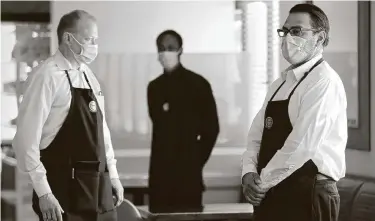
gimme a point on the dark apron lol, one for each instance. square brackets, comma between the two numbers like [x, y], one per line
[291, 199]
[76, 162]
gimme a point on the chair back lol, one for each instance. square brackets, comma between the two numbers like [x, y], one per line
[128, 212]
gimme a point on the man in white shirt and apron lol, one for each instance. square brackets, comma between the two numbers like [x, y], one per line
[62, 140]
[296, 147]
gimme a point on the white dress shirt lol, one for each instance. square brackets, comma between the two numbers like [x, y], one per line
[317, 111]
[43, 110]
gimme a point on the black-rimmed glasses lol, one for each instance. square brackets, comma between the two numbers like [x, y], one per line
[294, 31]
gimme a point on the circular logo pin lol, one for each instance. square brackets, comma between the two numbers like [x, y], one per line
[92, 106]
[269, 122]
[165, 106]
[199, 137]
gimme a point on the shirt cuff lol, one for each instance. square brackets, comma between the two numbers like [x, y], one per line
[113, 174]
[248, 169]
[41, 187]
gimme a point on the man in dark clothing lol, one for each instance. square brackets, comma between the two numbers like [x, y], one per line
[185, 128]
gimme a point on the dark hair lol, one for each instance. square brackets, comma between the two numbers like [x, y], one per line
[319, 19]
[169, 32]
[68, 22]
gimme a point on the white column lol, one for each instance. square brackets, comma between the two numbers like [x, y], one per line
[273, 40]
[256, 46]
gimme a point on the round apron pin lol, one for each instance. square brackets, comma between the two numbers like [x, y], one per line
[165, 106]
[269, 122]
[92, 106]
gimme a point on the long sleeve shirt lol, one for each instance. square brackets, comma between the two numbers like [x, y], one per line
[185, 128]
[317, 112]
[43, 110]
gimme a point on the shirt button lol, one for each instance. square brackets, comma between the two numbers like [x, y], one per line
[199, 137]
[166, 106]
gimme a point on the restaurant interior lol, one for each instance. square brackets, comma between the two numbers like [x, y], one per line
[233, 44]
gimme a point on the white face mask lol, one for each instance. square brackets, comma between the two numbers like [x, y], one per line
[88, 52]
[169, 59]
[297, 50]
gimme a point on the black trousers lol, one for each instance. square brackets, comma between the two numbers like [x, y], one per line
[321, 204]
[326, 201]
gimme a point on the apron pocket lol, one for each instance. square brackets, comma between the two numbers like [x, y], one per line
[106, 201]
[85, 189]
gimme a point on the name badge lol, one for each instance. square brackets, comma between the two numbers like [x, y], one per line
[93, 106]
[268, 123]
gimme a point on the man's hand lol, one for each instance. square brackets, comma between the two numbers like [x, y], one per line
[253, 193]
[118, 190]
[50, 208]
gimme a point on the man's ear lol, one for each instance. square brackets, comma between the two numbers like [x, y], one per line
[66, 37]
[322, 37]
[180, 51]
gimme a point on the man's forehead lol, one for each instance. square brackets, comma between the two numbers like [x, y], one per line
[169, 40]
[298, 19]
[87, 28]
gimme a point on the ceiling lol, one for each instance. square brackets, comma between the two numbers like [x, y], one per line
[25, 7]
[25, 11]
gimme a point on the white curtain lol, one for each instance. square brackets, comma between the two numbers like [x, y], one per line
[124, 79]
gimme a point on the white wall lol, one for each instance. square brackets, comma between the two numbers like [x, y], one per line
[343, 37]
[126, 27]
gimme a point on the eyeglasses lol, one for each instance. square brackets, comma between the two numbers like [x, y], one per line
[294, 31]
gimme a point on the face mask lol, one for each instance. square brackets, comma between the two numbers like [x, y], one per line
[297, 50]
[88, 52]
[169, 59]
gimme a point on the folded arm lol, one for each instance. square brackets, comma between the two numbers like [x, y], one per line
[250, 156]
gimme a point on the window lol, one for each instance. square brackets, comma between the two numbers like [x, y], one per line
[349, 54]
[24, 46]
[124, 79]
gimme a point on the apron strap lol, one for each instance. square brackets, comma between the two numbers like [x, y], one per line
[103, 166]
[87, 80]
[305, 75]
[277, 91]
[70, 81]
[71, 90]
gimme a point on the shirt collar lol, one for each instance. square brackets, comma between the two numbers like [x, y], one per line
[298, 72]
[177, 70]
[63, 63]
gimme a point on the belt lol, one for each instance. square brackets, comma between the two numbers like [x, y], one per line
[321, 176]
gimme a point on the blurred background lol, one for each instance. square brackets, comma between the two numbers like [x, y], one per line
[233, 44]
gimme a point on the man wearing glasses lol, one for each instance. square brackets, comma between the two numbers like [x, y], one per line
[62, 140]
[296, 144]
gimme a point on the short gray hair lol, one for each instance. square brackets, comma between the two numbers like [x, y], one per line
[68, 22]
